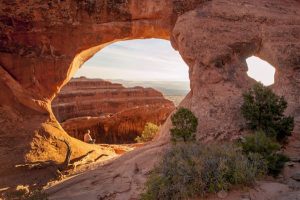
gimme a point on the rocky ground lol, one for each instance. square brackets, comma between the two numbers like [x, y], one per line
[88, 163]
[285, 187]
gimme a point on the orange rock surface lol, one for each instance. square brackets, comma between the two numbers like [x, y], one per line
[113, 113]
[43, 43]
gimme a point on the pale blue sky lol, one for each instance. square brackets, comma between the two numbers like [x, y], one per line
[137, 60]
[153, 60]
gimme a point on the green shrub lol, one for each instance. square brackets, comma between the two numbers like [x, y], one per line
[259, 143]
[284, 128]
[184, 125]
[190, 170]
[264, 110]
[276, 163]
[148, 133]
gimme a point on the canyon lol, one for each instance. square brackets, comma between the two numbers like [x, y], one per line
[42, 44]
[114, 114]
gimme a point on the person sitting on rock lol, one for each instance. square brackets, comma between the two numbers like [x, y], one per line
[88, 138]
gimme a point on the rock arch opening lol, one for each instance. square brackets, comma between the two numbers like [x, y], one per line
[260, 70]
[121, 88]
[37, 48]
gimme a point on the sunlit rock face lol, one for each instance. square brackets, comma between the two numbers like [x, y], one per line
[216, 38]
[119, 128]
[113, 113]
[44, 42]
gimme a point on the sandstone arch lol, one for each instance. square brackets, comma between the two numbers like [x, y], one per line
[40, 40]
[41, 48]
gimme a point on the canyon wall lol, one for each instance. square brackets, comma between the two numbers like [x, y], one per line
[217, 37]
[43, 43]
[113, 113]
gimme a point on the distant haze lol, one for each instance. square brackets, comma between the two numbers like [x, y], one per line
[168, 88]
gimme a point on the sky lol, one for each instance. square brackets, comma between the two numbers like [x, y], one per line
[260, 70]
[153, 60]
[137, 60]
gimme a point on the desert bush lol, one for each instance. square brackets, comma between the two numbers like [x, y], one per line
[184, 125]
[268, 148]
[260, 143]
[276, 163]
[148, 133]
[190, 170]
[264, 110]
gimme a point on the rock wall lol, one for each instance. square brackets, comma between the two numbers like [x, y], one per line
[83, 97]
[43, 43]
[113, 113]
[216, 38]
[122, 127]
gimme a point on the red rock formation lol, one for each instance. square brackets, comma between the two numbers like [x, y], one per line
[122, 127]
[95, 97]
[113, 113]
[43, 43]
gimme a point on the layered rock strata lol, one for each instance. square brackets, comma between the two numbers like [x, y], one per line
[43, 43]
[113, 113]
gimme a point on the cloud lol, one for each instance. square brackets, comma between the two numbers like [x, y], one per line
[154, 60]
[150, 59]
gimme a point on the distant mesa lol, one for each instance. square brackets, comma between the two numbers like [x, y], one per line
[114, 114]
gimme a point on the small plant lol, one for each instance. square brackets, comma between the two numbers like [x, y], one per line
[191, 170]
[264, 110]
[276, 163]
[148, 133]
[259, 143]
[184, 125]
